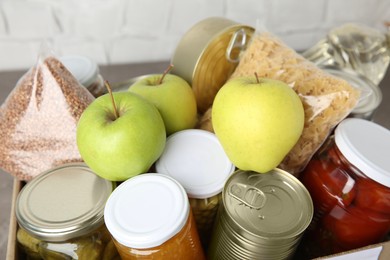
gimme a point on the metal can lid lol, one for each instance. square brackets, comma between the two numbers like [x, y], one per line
[207, 55]
[365, 145]
[146, 210]
[269, 206]
[63, 203]
[370, 94]
[196, 159]
[82, 68]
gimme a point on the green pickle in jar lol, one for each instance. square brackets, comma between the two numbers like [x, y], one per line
[60, 215]
[196, 159]
[348, 180]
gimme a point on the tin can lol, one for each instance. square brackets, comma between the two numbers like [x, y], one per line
[86, 71]
[207, 55]
[349, 182]
[196, 159]
[149, 217]
[263, 216]
[370, 94]
[60, 215]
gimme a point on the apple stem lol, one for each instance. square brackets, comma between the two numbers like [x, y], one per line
[112, 98]
[165, 73]
[257, 78]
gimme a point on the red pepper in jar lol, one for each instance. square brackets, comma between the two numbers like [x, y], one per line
[349, 181]
[328, 185]
[352, 227]
[372, 196]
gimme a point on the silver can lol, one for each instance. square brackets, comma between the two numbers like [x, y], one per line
[263, 216]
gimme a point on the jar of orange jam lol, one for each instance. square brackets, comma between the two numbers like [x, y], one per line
[349, 182]
[149, 217]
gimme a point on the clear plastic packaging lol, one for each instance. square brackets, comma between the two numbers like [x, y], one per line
[326, 99]
[360, 48]
[38, 119]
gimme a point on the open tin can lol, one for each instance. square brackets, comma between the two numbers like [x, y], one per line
[207, 55]
[263, 216]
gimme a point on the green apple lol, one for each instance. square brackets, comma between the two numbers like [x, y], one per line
[258, 121]
[120, 136]
[173, 97]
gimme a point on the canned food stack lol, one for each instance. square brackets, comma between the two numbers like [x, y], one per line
[180, 195]
[263, 216]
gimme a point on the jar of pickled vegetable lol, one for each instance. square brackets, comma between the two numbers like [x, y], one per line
[349, 182]
[196, 159]
[60, 215]
[149, 217]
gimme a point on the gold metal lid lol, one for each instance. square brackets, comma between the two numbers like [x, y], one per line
[207, 55]
[268, 207]
[63, 203]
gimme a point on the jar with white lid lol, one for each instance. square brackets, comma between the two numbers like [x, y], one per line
[60, 215]
[196, 159]
[349, 182]
[149, 217]
[86, 71]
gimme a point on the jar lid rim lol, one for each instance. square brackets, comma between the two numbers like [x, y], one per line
[365, 145]
[63, 203]
[84, 69]
[146, 210]
[196, 159]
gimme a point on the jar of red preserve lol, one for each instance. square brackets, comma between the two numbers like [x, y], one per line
[349, 182]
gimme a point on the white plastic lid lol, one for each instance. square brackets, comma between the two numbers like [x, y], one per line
[196, 159]
[83, 69]
[146, 210]
[366, 145]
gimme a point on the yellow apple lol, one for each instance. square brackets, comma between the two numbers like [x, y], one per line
[257, 121]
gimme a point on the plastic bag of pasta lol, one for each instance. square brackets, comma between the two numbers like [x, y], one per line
[326, 99]
[39, 117]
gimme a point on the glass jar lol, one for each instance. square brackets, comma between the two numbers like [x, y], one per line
[196, 159]
[349, 182]
[60, 215]
[86, 71]
[149, 217]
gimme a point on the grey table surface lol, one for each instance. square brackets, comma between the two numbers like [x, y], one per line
[115, 74]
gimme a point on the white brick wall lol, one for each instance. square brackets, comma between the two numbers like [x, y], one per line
[128, 31]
